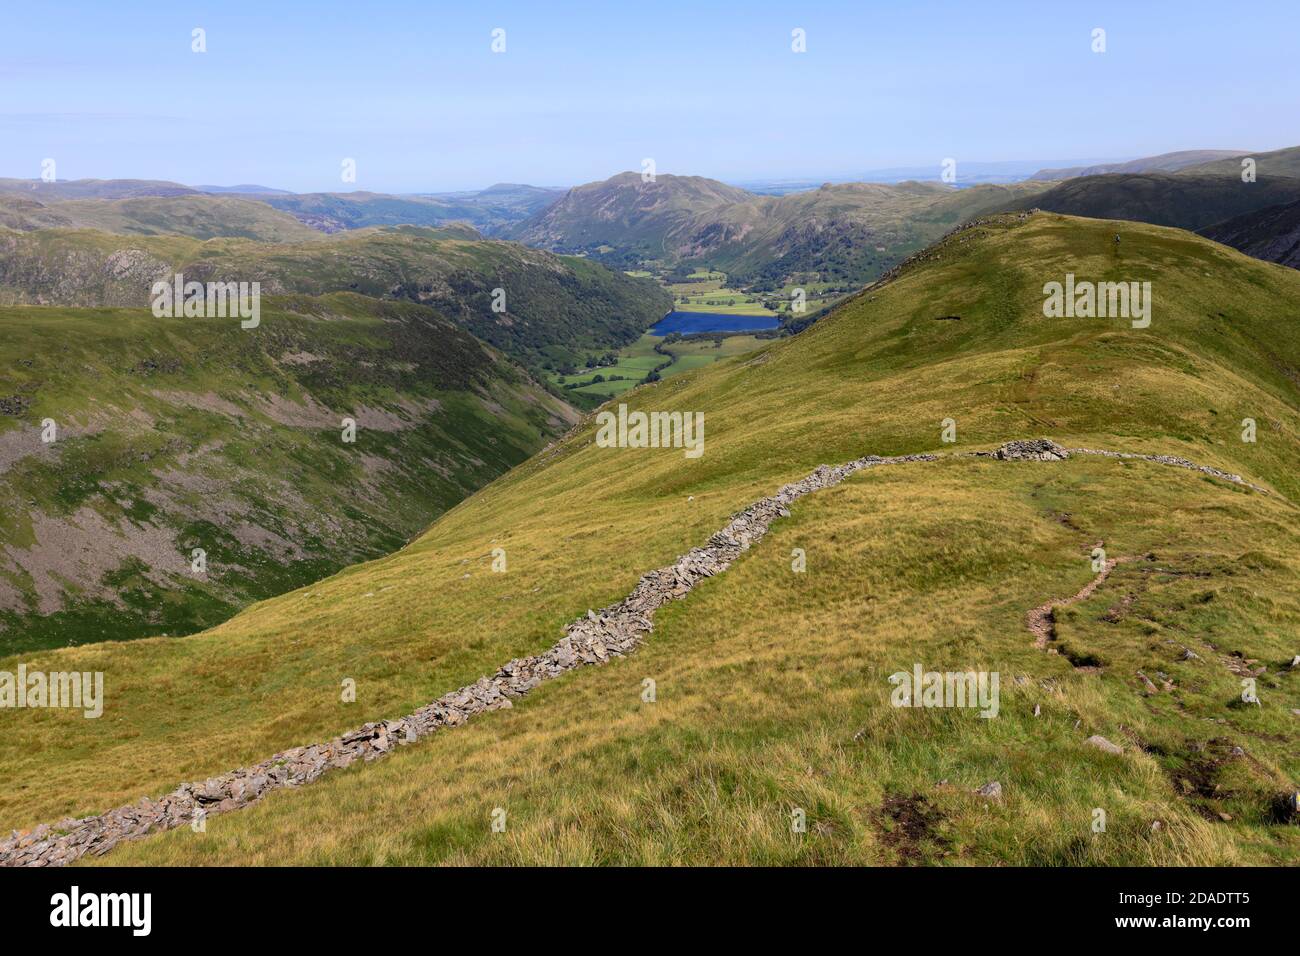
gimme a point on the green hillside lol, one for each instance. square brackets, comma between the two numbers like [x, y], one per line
[850, 233]
[772, 689]
[556, 308]
[176, 434]
[1163, 163]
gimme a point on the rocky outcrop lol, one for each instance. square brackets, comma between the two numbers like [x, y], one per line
[1044, 449]
[1033, 449]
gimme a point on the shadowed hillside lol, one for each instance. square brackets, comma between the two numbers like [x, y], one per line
[176, 434]
[1182, 200]
[1271, 234]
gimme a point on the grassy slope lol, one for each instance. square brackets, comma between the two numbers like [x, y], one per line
[182, 433]
[553, 304]
[764, 689]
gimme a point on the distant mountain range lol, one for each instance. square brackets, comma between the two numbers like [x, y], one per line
[192, 214]
[488, 210]
[841, 235]
[1277, 162]
[92, 188]
[1164, 163]
[247, 189]
[848, 233]
[1185, 200]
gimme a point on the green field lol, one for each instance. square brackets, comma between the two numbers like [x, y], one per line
[772, 686]
[721, 301]
[638, 359]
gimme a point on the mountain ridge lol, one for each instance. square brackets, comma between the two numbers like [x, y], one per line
[556, 307]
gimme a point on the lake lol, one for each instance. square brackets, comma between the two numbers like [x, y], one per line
[690, 323]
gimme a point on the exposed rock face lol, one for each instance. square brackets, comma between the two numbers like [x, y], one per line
[1033, 449]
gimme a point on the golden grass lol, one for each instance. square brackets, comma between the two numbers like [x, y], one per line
[772, 693]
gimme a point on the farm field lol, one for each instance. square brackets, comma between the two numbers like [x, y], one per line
[638, 359]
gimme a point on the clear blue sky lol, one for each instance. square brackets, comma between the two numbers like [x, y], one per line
[413, 92]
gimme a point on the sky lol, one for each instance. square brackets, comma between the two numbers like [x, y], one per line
[415, 95]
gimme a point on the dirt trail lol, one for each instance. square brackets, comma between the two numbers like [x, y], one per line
[1039, 620]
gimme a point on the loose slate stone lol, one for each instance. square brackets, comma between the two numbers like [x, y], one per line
[1101, 743]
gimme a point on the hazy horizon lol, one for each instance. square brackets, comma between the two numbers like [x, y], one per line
[886, 173]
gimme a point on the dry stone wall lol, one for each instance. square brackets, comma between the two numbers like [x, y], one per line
[594, 638]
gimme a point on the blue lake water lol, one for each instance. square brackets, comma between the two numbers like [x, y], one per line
[689, 323]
